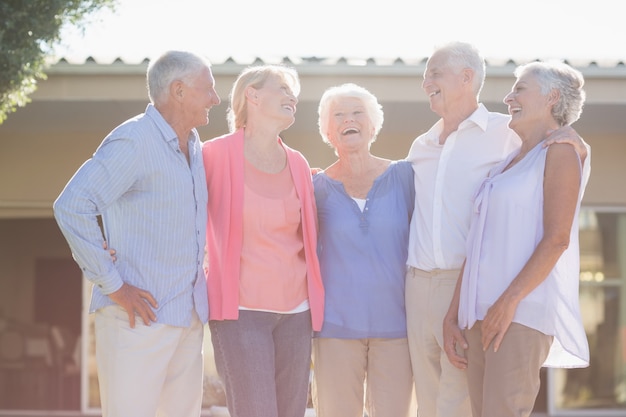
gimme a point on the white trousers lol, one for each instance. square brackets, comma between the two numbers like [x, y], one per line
[148, 371]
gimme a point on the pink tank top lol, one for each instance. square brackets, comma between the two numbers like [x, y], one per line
[273, 269]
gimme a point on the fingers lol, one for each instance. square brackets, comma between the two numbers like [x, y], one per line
[135, 302]
[454, 357]
[496, 323]
[458, 362]
[564, 134]
[555, 135]
[486, 340]
[143, 306]
[131, 318]
[462, 342]
[146, 314]
[488, 332]
[149, 298]
[492, 336]
[454, 345]
[497, 341]
[112, 252]
[142, 310]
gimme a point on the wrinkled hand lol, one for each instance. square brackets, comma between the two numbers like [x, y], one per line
[496, 323]
[135, 301]
[453, 338]
[111, 251]
[567, 134]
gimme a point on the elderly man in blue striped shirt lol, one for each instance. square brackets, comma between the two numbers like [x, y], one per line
[146, 182]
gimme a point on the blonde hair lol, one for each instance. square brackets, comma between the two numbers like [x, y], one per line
[255, 77]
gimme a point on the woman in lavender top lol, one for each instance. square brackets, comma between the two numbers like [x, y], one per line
[517, 299]
[364, 207]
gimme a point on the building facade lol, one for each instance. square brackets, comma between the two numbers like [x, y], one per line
[46, 343]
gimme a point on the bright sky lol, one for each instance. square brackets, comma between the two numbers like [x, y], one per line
[245, 29]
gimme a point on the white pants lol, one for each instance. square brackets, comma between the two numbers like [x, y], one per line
[148, 371]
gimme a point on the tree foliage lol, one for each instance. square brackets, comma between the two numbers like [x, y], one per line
[28, 31]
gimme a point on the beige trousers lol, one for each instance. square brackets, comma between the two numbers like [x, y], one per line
[440, 388]
[353, 375]
[506, 383]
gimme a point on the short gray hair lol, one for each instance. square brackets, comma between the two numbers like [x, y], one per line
[568, 81]
[169, 67]
[461, 55]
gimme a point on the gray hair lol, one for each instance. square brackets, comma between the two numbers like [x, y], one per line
[461, 55]
[169, 67]
[349, 90]
[569, 82]
[255, 77]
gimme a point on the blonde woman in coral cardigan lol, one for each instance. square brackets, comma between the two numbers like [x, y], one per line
[264, 284]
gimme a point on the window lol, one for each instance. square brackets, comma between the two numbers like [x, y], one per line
[571, 392]
[603, 306]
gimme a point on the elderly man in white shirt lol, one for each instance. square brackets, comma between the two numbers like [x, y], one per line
[450, 161]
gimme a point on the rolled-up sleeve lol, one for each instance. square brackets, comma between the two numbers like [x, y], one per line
[98, 182]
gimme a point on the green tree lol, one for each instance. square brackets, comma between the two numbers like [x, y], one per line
[28, 31]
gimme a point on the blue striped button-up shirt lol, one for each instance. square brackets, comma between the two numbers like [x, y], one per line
[152, 203]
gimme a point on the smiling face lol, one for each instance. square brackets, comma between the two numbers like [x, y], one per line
[199, 96]
[349, 124]
[528, 106]
[276, 100]
[445, 85]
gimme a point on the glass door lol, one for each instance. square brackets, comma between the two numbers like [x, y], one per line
[601, 387]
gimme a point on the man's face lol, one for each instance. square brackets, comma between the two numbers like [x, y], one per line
[200, 96]
[444, 85]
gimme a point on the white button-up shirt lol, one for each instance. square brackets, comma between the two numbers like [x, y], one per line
[446, 178]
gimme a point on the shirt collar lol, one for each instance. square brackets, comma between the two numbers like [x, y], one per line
[480, 118]
[166, 130]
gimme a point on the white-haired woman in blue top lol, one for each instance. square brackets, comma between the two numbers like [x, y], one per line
[364, 207]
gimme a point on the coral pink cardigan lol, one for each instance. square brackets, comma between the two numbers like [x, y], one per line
[224, 166]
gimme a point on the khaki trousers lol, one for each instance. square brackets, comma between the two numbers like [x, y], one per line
[506, 383]
[350, 375]
[440, 388]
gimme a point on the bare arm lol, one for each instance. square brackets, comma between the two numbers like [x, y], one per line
[561, 186]
[568, 134]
